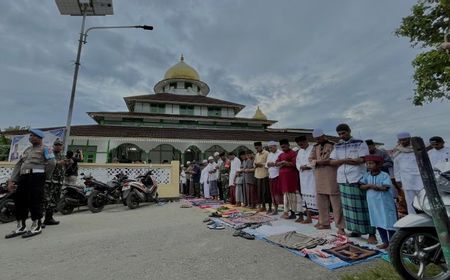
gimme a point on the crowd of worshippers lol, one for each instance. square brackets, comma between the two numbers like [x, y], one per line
[366, 188]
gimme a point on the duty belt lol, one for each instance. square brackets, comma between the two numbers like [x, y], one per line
[32, 171]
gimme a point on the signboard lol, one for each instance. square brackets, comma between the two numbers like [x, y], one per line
[20, 142]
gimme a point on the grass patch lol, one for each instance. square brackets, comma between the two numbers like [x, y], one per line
[384, 271]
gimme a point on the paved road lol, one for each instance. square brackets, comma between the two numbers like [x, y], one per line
[152, 242]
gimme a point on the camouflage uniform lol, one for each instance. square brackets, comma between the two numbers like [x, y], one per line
[224, 175]
[53, 190]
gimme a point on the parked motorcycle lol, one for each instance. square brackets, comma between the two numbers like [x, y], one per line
[143, 190]
[102, 194]
[415, 251]
[7, 206]
[73, 196]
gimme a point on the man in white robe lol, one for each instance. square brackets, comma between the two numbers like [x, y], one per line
[307, 179]
[235, 165]
[406, 170]
[204, 179]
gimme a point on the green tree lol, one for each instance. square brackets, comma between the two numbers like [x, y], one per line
[425, 28]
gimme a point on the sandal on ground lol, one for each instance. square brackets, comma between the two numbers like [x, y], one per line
[320, 227]
[210, 223]
[247, 235]
[215, 215]
[216, 226]
[242, 226]
[207, 220]
[237, 233]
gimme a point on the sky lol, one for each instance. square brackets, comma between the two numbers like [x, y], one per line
[307, 64]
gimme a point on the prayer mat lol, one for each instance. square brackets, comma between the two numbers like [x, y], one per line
[255, 219]
[295, 240]
[351, 252]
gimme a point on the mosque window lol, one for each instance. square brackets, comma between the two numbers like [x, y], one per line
[186, 110]
[173, 85]
[187, 85]
[214, 111]
[158, 108]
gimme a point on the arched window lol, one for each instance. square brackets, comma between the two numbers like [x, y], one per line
[163, 154]
[216, 148]
[192, 153]
[239, 149]
[126, 153]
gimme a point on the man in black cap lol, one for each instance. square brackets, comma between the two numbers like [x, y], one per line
[53, 190]
[439, 153]
[30, 174]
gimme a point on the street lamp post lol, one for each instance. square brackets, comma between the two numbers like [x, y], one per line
[85, 8]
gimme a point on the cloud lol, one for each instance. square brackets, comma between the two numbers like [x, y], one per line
[305, 63]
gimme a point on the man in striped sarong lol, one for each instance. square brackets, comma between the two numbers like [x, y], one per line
[349, 155]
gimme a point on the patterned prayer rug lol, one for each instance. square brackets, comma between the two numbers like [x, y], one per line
[351, 252]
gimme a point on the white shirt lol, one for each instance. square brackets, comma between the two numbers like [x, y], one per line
[204, 175]
[438, 156]
[273, 171]
[213, 174]
[353, 148]
[183, 177]
[307, 180]
[407, 172]
[235, 165]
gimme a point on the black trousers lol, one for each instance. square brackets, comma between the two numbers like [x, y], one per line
[30, 196]
[219, 186]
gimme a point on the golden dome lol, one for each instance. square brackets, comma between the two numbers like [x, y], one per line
[182, 71]
[259, 115]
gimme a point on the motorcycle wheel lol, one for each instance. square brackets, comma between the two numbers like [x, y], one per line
[95, 203]
[64, 208]
[132, 200]
[417, 254]
[7, 213]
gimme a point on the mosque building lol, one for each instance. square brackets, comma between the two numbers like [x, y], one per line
[179, 121]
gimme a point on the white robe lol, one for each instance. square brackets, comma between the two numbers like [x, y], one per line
[307, 178]
[234, 166]
[407, 172]
[438, 156]
[204, 181]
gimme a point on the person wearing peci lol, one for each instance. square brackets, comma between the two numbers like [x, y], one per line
[30, 174]
[251, 193]
[406, 170]
[288, 179]
[274, 171]
[349, 155]
[380, 199]
[212, 178]
[327, 189]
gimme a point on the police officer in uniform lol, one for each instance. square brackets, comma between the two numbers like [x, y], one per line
[53, 190]
[30, 174]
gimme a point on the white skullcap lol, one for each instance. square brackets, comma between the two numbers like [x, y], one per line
[216, 154]
[272, 143]
[205, 161]
[188, 162]
[317, 132]
[403, 135]
[210, 158]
